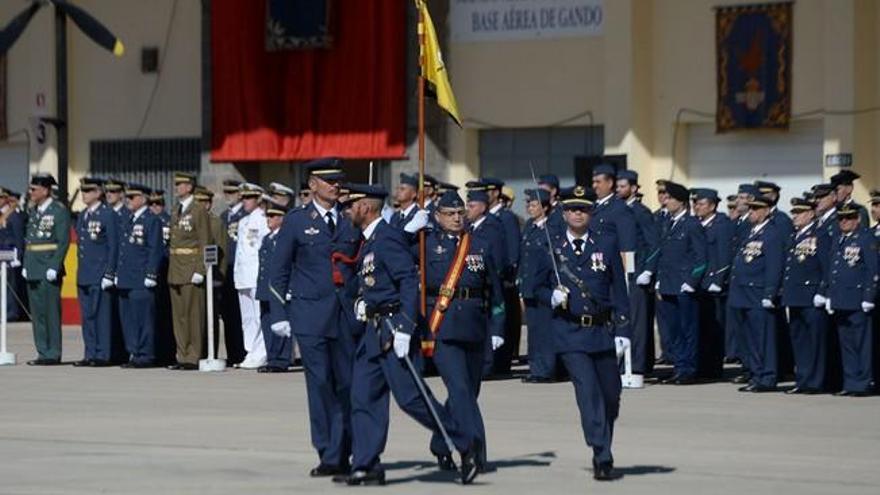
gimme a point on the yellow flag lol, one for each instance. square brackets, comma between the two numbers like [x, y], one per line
[433, 69]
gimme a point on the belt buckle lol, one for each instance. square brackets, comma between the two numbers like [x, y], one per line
[586, 320]
[446, 292]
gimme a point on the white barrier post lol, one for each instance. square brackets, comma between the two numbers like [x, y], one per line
[6, 358]
[628, 379]
[211, 363]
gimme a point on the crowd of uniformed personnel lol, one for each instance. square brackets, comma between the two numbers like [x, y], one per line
[339, 278]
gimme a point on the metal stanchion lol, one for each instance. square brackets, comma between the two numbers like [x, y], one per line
[6, 358]
[628, 379]
[211, 363]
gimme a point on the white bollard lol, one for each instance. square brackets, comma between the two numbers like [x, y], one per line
[628, 379]
[6, 358]
[211, 363]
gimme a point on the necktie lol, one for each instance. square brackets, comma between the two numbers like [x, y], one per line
[179, 209]
[578, 246]
[330, 222]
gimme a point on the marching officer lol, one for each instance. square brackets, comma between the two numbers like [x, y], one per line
[533, 249]
[803, 289]
[251, 229]
[313, 259]
[679, 262]
[754, 287]
[843, 187]
[141, 254]
[465, 307]
[190, 233]
[12, 231]
[388, 284]
[712, 296]
[279, 349]
[852, 289]
[641, 297]
[229, 308]
[46, 243]
[590, 322]
[97, 230]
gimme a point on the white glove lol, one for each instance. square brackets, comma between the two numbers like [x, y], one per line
[819, 300]
[497, 342]
[714, 289]
[360, 310]
[867, 306]
[621, 344]
[106, 283]
[687, 288]
[767, 304]
[644, 278]
[418, 222]
[115, 280]
[15, 263]
[558, 298]
[288, 297]
[24, 273]
[281, 329]
[401, 344]
[828, 306]
[197, 279]
[51, 275]
[149, 283]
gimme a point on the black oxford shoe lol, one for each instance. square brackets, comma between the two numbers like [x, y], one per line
[375, 477]
[445, 462]
[82, 362]
[604, 471]
[326, 470]
[44, 362]
[468, 467]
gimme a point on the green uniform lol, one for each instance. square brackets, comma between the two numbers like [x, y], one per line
[190, 233]
[47, 237]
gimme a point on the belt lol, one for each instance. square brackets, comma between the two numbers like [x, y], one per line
[594, 320]
[459, 293]
[41, 247]
[184, 251]
[382, 310]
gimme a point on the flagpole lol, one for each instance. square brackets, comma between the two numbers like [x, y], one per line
[421, 104]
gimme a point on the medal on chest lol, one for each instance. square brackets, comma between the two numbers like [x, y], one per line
[137, 235]
[475, 263]
[44, 227]
[752, 250]
[166, 233]
[252, 235]
[232, 231]
[852, 255]
[94, 227]
[185, 223]
[368, 269]
[597, 262]
[805, 248]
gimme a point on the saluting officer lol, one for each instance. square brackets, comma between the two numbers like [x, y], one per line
[251, 229]
[141, 254]
[843, 187]
[590, 322]
[803, 293]
[678, 264]
[852, 289]
[279, 348]
[641, 297]
[229, 308]
[389, 305]
[533, 249]
[310, 300]
[97, 230]
[754, 289]
[190, 233]
[465, 307]
[46, 242]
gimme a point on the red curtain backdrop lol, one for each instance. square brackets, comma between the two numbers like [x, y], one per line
[348, 100]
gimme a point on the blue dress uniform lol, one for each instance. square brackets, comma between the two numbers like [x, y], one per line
[757, 276]
[852, 289]
[141, 253]
[320, 312]
[846, 177]
[555, 220]
[400, 217]
[585, 327]
[531, 273]
[806, 265]
[12, 236]
[279, 349]
[389, 290]
[680, 259]
[164, 346]
[97, 230]
[611, 215]
[641, 298]
[230, 311]
[732, 349]
[122, 215]
[712, 296]
[474, 313]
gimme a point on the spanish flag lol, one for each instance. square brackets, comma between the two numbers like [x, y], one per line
[433, 69]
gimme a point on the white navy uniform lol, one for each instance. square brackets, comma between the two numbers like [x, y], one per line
[251, 230]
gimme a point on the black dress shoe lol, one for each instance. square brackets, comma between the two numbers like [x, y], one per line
[100, 363]
[445, 462]
[741, 379]
[794, 391]
[604, 471]
[44, 362]
[375, 477]
[747, 388]
[271, 369]
[174, 367]
[670, 380]
[326, 470]
[82, 362]
[685, 380]
[188, 367]
[468, 466]
[763, 388]
[127, 365]
[142, 364]
[850, 393]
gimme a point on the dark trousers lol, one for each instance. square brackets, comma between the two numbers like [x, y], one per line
[96, 309]
[758, 326]
[164, 345]
[279, 350]
[678, 318]
[732, 336]
[459, 364]
[328, 369]
[854, 333]
[45, 299]
[138, 311]
[713, 315]
[596, 381]
[230, 312]
[12, 290]
[784, 352]
[641, 305]
[499, 362]
[809, 328]
[375, 379]
[117, 334]
[542, 354]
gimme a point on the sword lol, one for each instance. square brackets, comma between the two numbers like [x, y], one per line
[547, 232]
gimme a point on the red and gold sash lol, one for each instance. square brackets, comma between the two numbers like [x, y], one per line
[447, 290]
